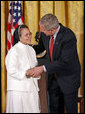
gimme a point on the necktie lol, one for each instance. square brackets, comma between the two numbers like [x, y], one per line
[51, 46]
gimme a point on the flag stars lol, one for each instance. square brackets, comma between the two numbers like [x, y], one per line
[19, 2]
[15, 7]
[15, 2]
[19, 8]
[13, 20]
[14, 14]
[19, 14]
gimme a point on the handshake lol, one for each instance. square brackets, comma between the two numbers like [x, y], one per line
[35, 72]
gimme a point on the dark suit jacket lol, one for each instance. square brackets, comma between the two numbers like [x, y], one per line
[65, 62]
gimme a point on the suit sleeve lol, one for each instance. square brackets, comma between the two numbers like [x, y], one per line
[12, 67]
[36, 63]
[66, 63]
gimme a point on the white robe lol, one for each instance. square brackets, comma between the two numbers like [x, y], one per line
[22, 92]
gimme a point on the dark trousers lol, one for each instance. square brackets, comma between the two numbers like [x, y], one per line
[59, 102]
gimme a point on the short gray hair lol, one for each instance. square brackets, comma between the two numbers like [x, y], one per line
[50, 21]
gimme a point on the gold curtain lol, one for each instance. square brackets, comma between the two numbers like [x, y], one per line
[69, 13]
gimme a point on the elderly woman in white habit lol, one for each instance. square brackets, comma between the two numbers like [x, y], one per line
[22, 91]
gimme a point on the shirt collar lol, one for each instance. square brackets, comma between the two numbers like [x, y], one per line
[22, 45]
[56, 32]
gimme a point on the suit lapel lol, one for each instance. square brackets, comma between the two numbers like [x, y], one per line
[58, 41]
[56, 44]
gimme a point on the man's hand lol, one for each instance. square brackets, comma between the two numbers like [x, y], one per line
[35, 72]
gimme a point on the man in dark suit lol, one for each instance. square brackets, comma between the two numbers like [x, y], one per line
[62, 66]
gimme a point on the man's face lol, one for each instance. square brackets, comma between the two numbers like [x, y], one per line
[42, 28]
[26, 36]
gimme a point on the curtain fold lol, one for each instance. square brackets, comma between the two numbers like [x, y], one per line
[31, 16]
[69, 13]
[60, 11]
[46, 7]
[76, 23]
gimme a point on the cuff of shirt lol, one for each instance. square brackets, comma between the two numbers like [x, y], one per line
[44, 68]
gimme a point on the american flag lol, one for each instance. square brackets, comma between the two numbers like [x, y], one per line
[15, 18]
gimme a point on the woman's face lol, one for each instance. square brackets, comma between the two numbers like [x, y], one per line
[26, 36]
